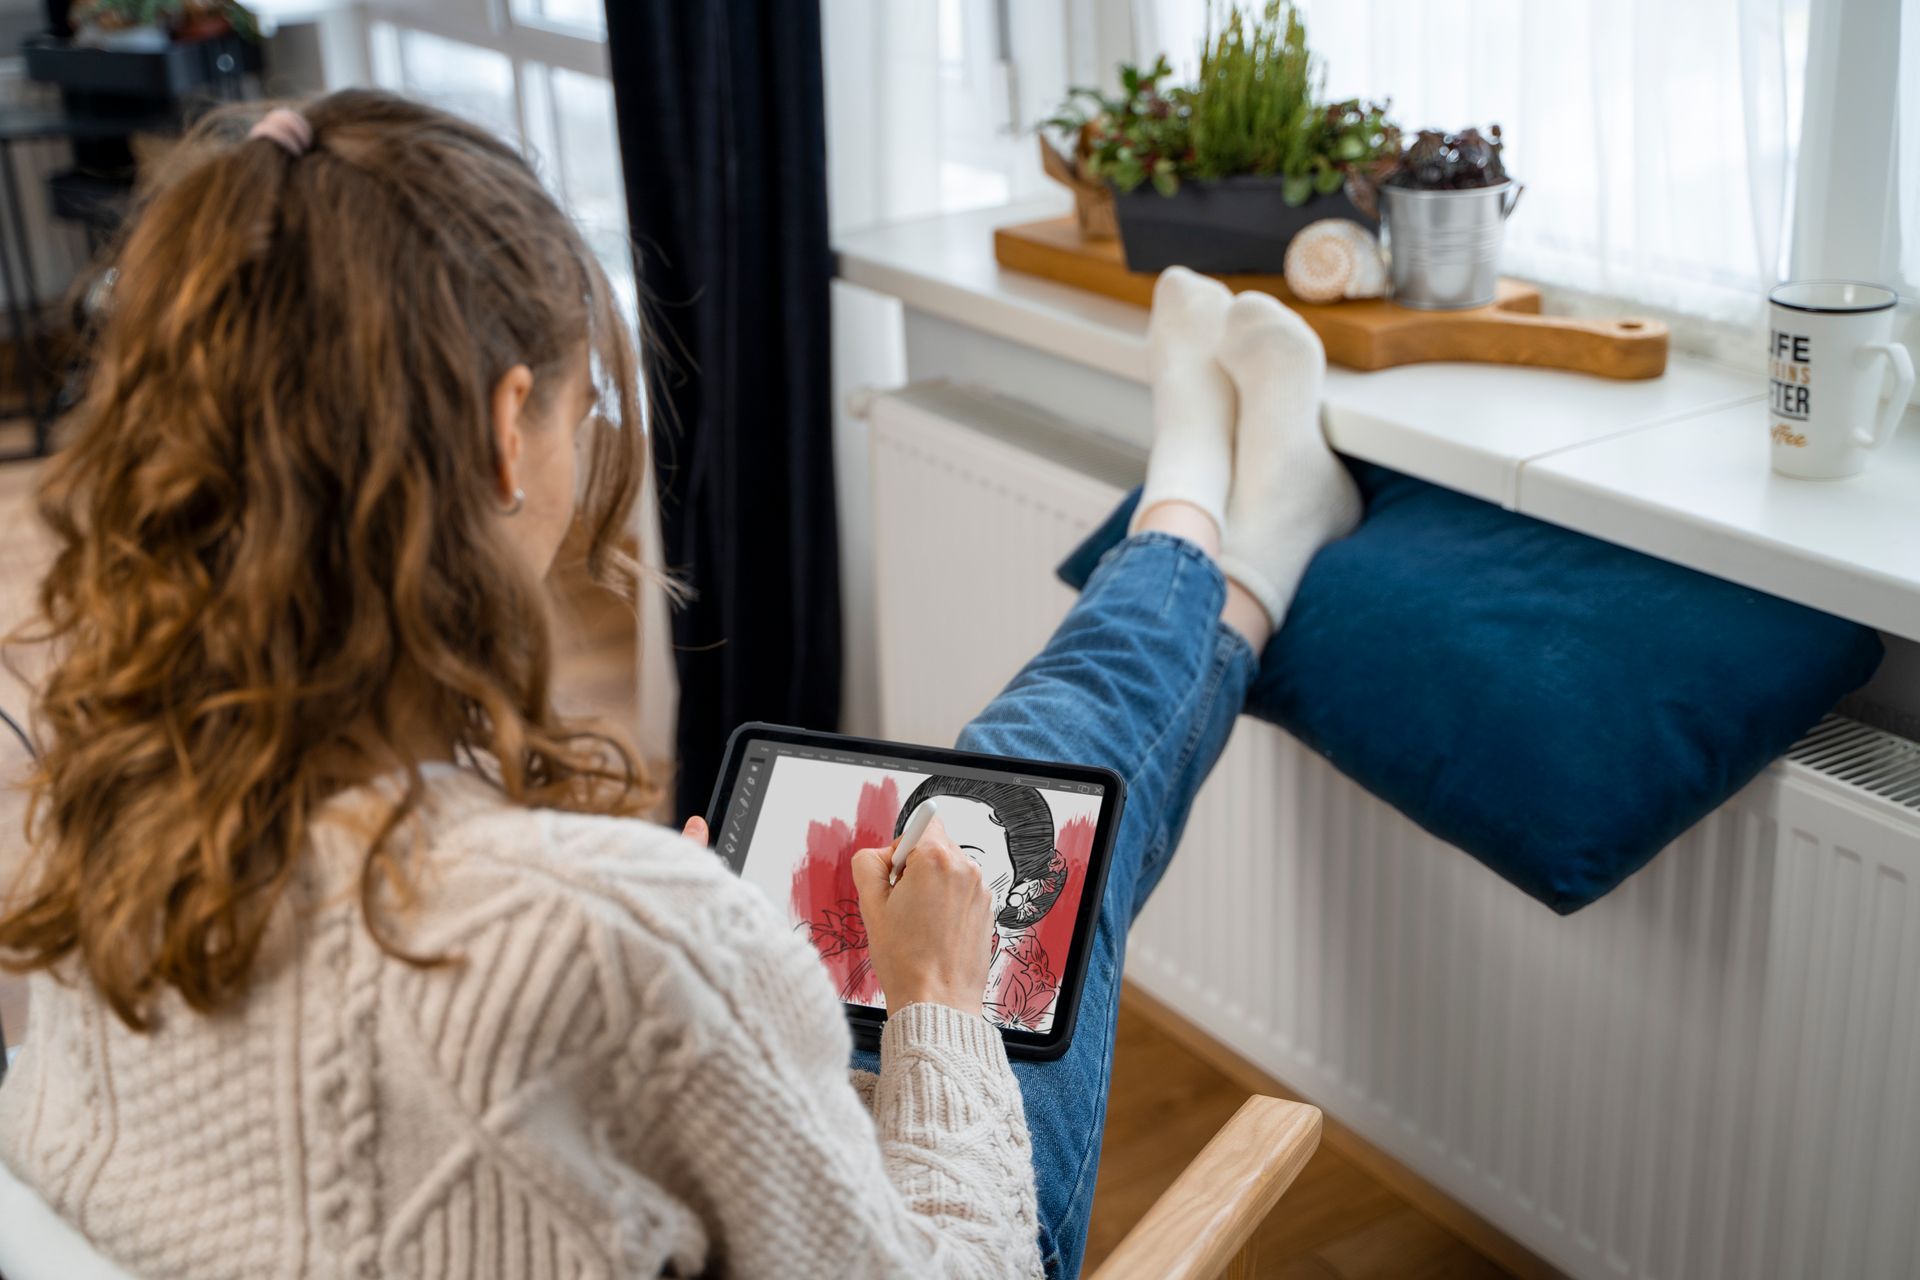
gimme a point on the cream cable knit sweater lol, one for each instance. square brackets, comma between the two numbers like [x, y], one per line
[633, 1069]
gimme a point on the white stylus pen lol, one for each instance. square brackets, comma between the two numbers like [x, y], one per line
[917, 824]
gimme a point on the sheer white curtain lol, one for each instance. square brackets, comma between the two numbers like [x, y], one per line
[1907, 122]
[883, 110]
[930, 110]
[1858, 213]
[1907, 176]
[931, 103]
[1656, 137]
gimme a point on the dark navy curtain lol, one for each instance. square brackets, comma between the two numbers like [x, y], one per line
[722, 135]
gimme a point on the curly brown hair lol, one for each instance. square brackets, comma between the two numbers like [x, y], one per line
[278, 534]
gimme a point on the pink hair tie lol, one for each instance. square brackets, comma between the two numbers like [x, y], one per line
[286, 127]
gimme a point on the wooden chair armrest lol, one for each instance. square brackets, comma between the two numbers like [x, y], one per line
[1203, 1221]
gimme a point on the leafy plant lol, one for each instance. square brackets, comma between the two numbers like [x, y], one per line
[1437, 161]
[1255, 90]
[1351, 143]
[1139, 136]
[118, 15]
[1253, 110]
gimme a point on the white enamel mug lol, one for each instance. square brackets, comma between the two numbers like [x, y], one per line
[1828, 355]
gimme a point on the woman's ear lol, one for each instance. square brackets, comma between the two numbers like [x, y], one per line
[510, 396]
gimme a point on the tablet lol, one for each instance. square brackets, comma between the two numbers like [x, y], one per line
[792, 806]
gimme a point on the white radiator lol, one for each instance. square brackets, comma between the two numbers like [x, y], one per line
[1713, 1072]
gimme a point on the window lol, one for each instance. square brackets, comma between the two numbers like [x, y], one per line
[586, 17]
[1656, 140]
[1659, 141]
[463, 78]
[571, 131]
[535, 75]
[931, 103]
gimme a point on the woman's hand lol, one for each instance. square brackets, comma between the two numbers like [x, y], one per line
[930, 935]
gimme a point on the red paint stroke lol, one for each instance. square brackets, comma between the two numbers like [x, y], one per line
[1024, 983]
[824, 898]
[1072, 845]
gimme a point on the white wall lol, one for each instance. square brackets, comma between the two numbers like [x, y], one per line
[868, 352]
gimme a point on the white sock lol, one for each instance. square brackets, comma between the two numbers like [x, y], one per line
[1192, 458]
[1290, 495]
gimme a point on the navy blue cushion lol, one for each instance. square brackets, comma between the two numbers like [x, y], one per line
[1559, 707]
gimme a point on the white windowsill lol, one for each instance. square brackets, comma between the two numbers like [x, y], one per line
[1676, 467]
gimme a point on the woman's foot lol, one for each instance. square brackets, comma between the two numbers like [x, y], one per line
[1290, 495]
[1192, 458]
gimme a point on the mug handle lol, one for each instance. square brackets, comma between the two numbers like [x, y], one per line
[1510, 199]
[1896, 405]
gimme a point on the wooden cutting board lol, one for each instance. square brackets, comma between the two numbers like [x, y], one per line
[1370, 333]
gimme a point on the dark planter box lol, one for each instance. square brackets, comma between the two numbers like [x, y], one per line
[174, 72]
[1231, 225]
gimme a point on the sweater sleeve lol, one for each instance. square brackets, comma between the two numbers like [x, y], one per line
[946, 1088]
[736, 1079]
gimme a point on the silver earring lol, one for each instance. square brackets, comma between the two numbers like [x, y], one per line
[519, 501]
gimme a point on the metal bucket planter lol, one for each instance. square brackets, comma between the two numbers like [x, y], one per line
[1227, 226]
[1443, 247]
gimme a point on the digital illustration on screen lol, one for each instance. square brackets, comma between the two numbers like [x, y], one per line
[1032, 846]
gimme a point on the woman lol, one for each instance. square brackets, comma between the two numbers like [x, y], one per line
[348, 956]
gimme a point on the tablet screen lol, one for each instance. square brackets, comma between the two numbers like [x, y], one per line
[798, 813]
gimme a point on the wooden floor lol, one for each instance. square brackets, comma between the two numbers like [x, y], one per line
[1338, 1222]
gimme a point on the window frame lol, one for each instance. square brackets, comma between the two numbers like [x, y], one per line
[490, 24]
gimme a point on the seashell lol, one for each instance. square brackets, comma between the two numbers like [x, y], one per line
[1333, 259]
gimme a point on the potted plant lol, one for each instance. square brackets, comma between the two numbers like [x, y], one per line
[1447, 202]
[147, 26]
[147, 49]
[1220, 175]
[1119, 141]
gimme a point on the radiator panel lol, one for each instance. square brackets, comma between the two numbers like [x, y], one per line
[967, 529]
[1712, 1072]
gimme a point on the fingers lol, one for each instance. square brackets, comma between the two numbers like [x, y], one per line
[696, 829]
[938, 857]
[869, 868]
[937, 846]
[935, 855]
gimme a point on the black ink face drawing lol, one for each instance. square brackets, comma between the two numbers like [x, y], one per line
[970, 824]
[1006, 828]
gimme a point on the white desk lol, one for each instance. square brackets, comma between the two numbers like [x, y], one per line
[1674, 467]
[1701, 492]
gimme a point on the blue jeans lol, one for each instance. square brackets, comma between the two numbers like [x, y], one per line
[1143, 678]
